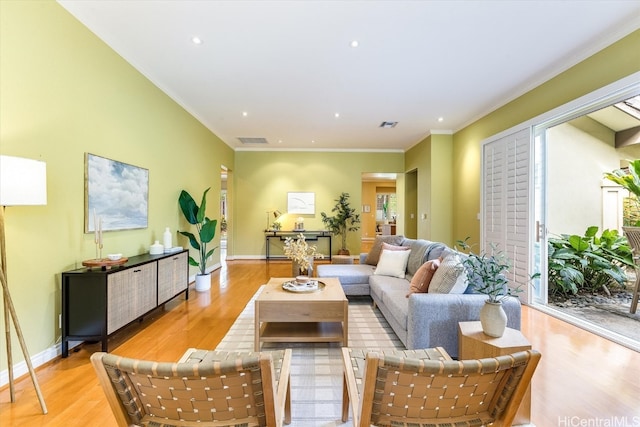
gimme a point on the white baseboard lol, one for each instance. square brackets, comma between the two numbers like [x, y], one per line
[20, 368]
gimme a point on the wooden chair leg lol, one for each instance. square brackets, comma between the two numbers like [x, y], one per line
[636, 293]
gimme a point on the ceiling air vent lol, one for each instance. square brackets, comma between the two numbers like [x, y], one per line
[388, 125]
[253, 140]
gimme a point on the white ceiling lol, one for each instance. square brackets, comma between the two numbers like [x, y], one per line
[289, 64]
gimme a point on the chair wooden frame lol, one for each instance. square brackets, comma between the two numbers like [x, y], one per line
[401, 391]
[237, 389]
[633, 236]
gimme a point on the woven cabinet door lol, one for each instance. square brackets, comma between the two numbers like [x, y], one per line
[173, 276]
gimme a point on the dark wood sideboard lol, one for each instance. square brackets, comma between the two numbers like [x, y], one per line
[98, 302]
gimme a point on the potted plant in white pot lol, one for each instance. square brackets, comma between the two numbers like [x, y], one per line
[487, 274]
[206, 228]
[346, 219]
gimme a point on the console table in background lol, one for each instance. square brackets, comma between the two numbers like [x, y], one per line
[310, 236]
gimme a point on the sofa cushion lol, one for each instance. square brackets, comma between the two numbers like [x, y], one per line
[450, 277]
[374, 254]
[397, 304]
[347, 273]
[421, 280]
[421, 252]
[379, 286]
[392, 263]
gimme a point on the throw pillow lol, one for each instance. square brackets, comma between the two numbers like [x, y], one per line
[450, 277]
[374, 254]
[392, 263]
[388, 247]
[421, 280]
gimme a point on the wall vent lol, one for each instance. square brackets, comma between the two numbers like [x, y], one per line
[245, 140]
[388, 125]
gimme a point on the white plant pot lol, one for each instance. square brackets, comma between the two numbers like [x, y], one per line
[297, 271]
[203, 282]
[493, 319]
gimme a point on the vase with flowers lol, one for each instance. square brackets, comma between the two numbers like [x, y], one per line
[301, 254]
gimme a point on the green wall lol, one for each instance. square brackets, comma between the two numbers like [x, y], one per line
[65, 93]
[263, 179]
[431, 161]
[617, 61]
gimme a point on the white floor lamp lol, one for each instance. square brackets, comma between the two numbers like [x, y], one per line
[22, 182]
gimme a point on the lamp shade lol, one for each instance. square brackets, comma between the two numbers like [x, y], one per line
[22, 181]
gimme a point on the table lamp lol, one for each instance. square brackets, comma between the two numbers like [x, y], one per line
[22, 182]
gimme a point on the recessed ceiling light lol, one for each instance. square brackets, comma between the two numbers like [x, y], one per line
[313, 141]
[279, 141]
[336, 115]
[245, 114]
[440, 119]
[196, 40]
[354, 43]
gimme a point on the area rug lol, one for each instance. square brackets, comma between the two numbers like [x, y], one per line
[316, 368]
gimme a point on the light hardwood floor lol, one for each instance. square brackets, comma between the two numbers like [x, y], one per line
[582, 379]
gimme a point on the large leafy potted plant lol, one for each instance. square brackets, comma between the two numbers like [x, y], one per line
[487, 274]
[206, 231]
[345, 219]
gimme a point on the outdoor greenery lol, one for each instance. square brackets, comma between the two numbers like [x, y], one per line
[345, 219]
[588, 263]
[206, 228]
[629, 179]
[486, 272]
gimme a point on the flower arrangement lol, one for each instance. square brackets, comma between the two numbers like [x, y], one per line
[300, 251]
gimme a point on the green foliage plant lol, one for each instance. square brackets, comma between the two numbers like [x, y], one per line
[206, 228]
[345, 219]
[487, 272]
[629, 180]
[587, 263]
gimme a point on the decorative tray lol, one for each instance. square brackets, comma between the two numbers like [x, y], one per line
[104, 263]
[310, 286]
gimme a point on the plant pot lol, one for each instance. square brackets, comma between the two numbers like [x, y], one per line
[493, 319]
[203, 282]
[296, 270]
[344, 252]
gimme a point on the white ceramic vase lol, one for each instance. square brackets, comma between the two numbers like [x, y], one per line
[493, 319]
[203, 282]
[297, 271]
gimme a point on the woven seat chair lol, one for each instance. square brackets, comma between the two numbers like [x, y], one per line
[402, 392]
[633, 236]
[235, 389]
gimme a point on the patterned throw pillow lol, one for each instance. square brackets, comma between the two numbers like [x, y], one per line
[421, 280]
[392, 263]
[450, 277]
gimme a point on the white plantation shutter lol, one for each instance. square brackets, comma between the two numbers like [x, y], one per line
[506, 166]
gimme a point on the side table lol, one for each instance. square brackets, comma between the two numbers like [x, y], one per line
[474, 344]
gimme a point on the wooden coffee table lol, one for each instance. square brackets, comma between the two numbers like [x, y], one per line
[283, 316]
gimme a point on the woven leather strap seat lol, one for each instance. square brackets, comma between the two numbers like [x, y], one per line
[420, 392]
[218, 389]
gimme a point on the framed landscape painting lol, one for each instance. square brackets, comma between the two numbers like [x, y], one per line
[116, 193]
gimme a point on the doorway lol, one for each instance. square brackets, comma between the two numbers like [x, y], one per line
[572, 152]
[224, 213]
[380, 208]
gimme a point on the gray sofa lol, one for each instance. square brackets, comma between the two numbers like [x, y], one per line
[423, 320]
